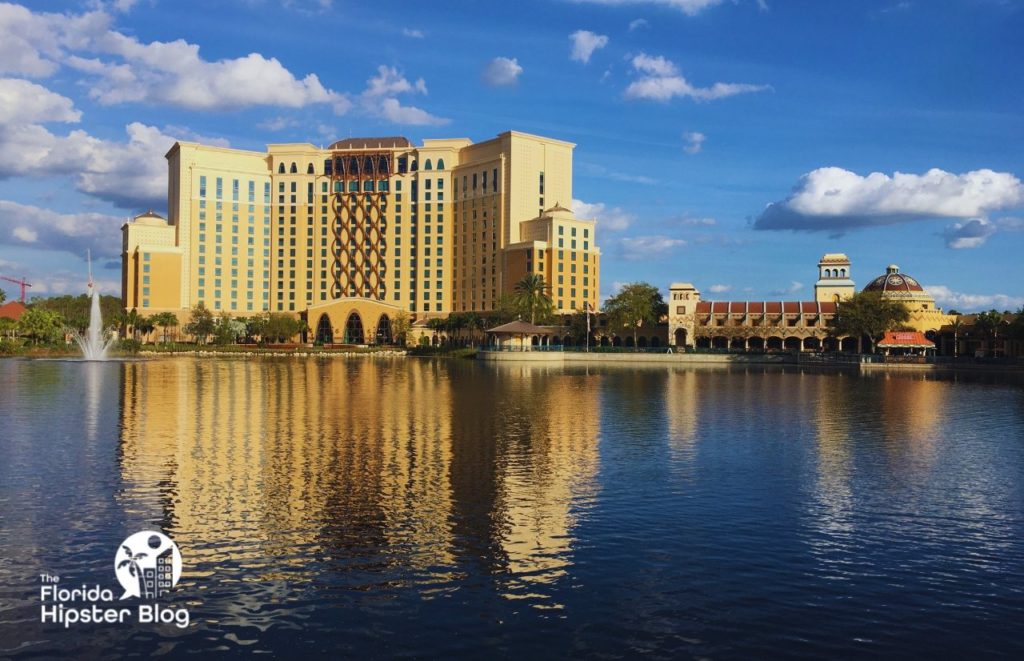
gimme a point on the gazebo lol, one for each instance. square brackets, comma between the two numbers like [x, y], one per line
[905, 343]
[522, 335]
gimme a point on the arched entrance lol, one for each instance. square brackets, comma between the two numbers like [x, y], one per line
[792, 343]
[655, 343]
[774, 344]
[616, 341]
[604, 341]
[737, 344]
[641, 342]
[384, 330]
[324, 330]
[756, 343]
[703, 342]
[354, 329]
[680, 337]
[830, 344]
[719, 342]
[629, 342]
[812, 344]
[848, 344]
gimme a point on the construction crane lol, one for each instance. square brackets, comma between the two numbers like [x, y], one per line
[23, 283]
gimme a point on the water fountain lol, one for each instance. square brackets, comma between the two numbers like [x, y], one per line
[94, 344]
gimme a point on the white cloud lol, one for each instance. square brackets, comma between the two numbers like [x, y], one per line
[638, 23]
[584, 43]
[688, 7]
[969, 234]
[690, 220]
[502, 72]
[379, 98]
[694, 142]
[962, 302]
[596, 170]
[413, 34]
[118, 68]
[130, 174]
[614, 219]
[648, 247]
[793, 288]
[277, 124]
[24, 225]
[22, 102]
[835, 200]
[660, 80]
[719, 289]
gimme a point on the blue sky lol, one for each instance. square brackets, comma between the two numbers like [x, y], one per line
[727, 143]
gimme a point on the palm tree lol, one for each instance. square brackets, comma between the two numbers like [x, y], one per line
[957, 324]
[533, 297]
[132, 562]
[988, 323]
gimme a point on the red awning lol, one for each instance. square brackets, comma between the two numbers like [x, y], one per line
[905, 340]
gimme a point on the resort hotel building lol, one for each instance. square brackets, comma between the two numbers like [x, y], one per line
[348, 235]
[793, 325]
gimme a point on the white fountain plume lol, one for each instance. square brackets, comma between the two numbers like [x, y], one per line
[93, 344]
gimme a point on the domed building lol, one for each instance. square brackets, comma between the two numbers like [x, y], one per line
[896, 286]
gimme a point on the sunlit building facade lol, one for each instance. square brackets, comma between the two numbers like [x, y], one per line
[366, 225]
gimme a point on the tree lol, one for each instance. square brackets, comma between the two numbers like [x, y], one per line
[227, 330]
[868, 313]
[145, 326]
[201, 324]
[958, 326]
[988, 323]
[3, 296]
[578, 326]
[164, 320]
[280, 327]
[400, 327]
[256, 326]
[636, 304]
[532, 297]
[41, 325]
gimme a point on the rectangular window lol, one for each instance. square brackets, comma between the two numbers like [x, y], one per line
[202, 185]
[220, 188]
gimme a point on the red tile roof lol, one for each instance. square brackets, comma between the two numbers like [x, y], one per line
[12, 310]
[759, 307]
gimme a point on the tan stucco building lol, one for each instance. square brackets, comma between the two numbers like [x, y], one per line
[447, 226]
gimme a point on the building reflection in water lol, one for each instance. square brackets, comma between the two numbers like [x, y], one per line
[373, 471]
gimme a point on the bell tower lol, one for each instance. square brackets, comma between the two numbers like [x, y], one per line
[834, 279]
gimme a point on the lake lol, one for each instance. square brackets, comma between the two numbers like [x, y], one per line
[408, 507]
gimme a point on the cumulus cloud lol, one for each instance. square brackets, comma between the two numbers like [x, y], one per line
[638, 23]
[584, 43]
[688, 7]
[719, 289]
[28, 226]
[24, 102]
[969, 234]
[963, 302]
[277, 124]
[693, 142]
[380, 98]
[613, 219]
[835, 200]
[130, 174]
[648, 247]
[117, 68]
[690, 220]
[502, 72]
[659, 80]
[793, 288]
[413, 34]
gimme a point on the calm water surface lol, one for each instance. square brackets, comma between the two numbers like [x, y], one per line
[426, 508]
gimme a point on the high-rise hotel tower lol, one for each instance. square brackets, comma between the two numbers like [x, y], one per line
[368, 224]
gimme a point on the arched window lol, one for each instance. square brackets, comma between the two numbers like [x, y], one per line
[354, 329]
[324, 332]
[295, 169]
[328, 166]
[384, 330]
[440, 164]
[309, 170]
[280, 169]
[415, 165]
[428, 165]
[843, 272]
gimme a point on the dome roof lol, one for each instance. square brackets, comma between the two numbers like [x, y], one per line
[894, 282]
[150, 218]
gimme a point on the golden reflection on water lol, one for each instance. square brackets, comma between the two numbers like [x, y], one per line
[363, 465]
